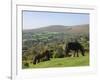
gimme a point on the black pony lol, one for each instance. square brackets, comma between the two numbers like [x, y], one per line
[45, 56]
[74, 46]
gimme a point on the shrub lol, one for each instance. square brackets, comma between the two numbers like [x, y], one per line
[26, 65]
[59, 53]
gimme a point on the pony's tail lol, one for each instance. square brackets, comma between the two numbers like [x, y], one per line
[34, 60]
[82, 51]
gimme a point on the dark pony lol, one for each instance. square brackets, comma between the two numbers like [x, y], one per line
[74, 46]
[45, 56]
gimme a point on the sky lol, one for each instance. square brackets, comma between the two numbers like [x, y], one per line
[36, 19]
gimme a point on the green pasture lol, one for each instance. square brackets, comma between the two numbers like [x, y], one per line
[60, 62]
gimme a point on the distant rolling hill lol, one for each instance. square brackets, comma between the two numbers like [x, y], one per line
[80, 29]
[53, 32]
[61, 28]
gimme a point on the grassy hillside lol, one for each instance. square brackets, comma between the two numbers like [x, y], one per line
[80, 29]
[55, 38]
[62, 62]
[60, 28]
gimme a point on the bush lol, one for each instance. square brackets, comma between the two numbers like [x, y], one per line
[59, 53]
[26, 65]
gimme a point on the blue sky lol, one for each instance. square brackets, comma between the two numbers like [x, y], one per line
[33, 19]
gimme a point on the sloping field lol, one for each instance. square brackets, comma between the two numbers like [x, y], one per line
[62, 62]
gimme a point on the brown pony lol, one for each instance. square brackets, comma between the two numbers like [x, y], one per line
[44, 56]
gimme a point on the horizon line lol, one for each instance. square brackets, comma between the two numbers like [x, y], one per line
[55, 25]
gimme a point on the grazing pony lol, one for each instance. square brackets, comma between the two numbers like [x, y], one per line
[74, 46]
[44, 56]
